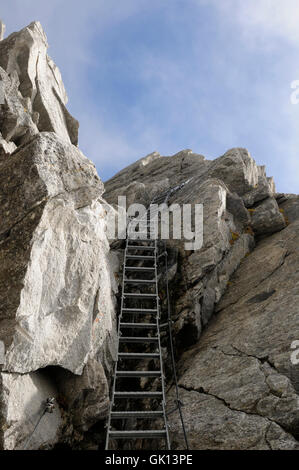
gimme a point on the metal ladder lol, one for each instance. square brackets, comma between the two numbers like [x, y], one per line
[145, 253]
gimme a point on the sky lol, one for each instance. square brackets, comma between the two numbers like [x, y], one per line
[168, 75]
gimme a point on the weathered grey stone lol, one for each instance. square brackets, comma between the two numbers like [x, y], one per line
[265, 259]
[241, 369]
[212, 425]
[6, 148]
[25, 53]
[246, 389]
[156, 173]
[188, 326]
[237, 169]
[262, 191]
[87, 395]
[208, 302]
[290, 208]
[225, 220]
[16, 113]
[235, 206]
[56, 285]
[241, 248]
[57, 280]
[22, 403]
[216, 232]
[266, 218]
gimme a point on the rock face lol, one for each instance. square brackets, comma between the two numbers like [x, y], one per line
[241, 370]
[52, 215]
[226, 187]
[57, 286]
[23, 399]
[23, 56]
[233, 298]
[234, 301]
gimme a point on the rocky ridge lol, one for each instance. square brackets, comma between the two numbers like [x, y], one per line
[234, 301]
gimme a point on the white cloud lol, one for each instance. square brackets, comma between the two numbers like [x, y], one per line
[262, 19]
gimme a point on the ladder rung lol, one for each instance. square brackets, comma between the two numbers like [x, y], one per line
[138, 325]
[139, 268]
[138, 373]
[138, 339]
[141, 247]
[142, 296]
[135, 240]
[139, 355]
[136, 434]
[146, 237]
[138, 394]
[145, 250]
[136, 414]
[144, 311]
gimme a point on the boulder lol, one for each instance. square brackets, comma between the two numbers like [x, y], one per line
[263, 190]
[266, 217]
[52, 237]
[237, 169]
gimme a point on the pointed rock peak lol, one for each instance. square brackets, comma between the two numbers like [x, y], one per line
[24, 53]
[36, 28]
[149, 158]
[2, 29]
[182, 153]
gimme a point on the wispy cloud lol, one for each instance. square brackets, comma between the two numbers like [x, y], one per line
[262, 19]
[166, 75]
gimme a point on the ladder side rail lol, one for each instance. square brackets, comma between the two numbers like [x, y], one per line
[169, 321]
[116, 363]
[160, 352]
[179, 403]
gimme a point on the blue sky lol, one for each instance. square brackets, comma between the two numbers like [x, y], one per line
[166, 75]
